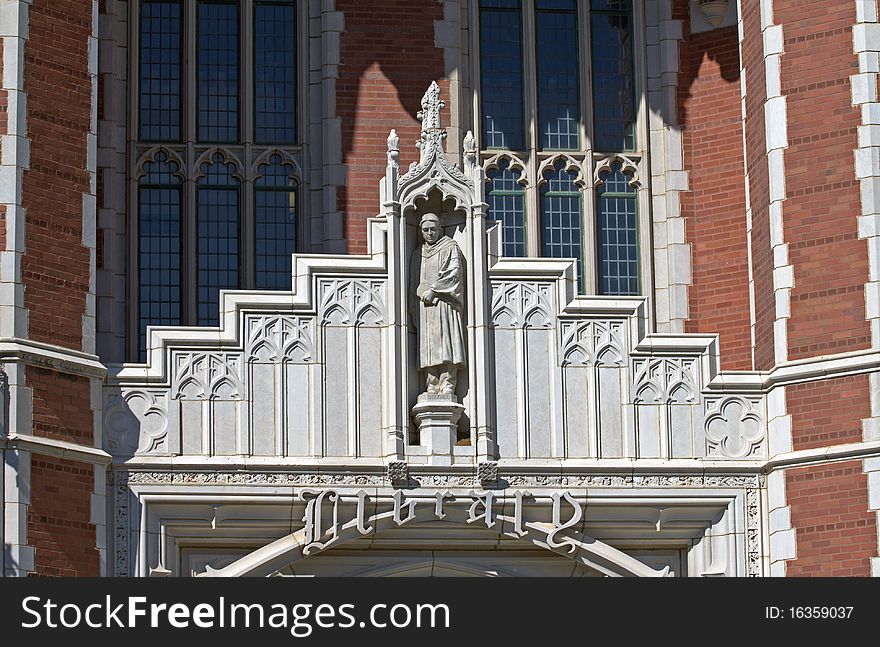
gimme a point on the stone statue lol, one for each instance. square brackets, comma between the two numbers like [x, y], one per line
[440, 292]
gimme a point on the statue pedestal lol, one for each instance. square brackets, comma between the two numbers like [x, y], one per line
[437, 417]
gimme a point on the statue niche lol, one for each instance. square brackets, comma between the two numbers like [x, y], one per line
[439, 274]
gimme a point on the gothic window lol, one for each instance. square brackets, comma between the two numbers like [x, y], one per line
[217, 105]
[556, 99]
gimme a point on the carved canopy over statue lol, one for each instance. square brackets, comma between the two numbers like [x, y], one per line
[440, 292]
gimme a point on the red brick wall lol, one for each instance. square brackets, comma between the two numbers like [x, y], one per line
[61, 406]
[714, 209]
[836, 533]
[759, 187]
[823, 200]
[58, 518]
[55, 267]
[829, 412]
[388, 59]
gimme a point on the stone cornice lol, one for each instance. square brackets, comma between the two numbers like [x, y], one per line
[53, 358]
[57, 448]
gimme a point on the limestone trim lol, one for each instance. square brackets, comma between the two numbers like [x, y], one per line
[836, 453]
[57, 448]
[668, 178]
[725, 517]
[18, 557]
[53, 358]
[866, 45]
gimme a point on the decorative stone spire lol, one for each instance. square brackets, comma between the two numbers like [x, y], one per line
[432, 132]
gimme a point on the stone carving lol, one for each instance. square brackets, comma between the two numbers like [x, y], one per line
[734, 427]
[136, 421]
[393, 149]
[430, 143]
[627, 166]
[753, 533]
[517, 304]
[207, 376]
[440, 292]
[120, 527]
[351, 302]
[469, 146]
[398, 472]
[592, 342]
[665, 380]
[487, 472]
[278, 338]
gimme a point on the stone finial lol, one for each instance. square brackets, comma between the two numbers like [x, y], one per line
[393, 149]
[470, 151]
[432, 133]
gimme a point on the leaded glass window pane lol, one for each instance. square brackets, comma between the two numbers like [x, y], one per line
[506, 199]
[561, 223]
[613, 76]
[275, 195]
[218, 71]
[218, 238]
[501, 74]
[158, 247]
[275, 72]
[617, 215]
[160, 44]
[557, 75]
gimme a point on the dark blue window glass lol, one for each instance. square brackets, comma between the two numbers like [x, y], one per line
[218, 237]
[275, 230]
[158, 248]
[501, 74]
[160, 70]
[275, 72]
[614, 105]
[618, 234]
[561, 224]
[218, 71]
[506, 199]
[556, 36]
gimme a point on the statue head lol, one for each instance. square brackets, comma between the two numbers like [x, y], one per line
[430, 228]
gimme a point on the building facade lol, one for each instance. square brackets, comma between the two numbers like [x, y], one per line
[666, 212]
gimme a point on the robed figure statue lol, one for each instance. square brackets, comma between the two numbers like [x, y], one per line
[440, 292]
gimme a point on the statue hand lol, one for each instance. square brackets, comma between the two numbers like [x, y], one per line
[430, 298]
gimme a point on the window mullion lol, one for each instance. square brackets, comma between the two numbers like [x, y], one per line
[189, 269]
[533, 212]
[586, 80]
[189, 28]
[246, 56]
[588, 227]
[247, 213]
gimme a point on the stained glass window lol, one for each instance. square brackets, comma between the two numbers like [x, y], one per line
[556, 30]
[218, 237]
[218, 71]
[561, 223]
[618, 234]
[506, 199]
[275, 230]
[275, 72]
[501, 73]
[160, 71]
[159, 246]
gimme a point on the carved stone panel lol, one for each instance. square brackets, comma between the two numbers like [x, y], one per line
[351, 302]
[519, 304]
[734, 427]
[136, 421]
[207, 376]
[277, 338]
